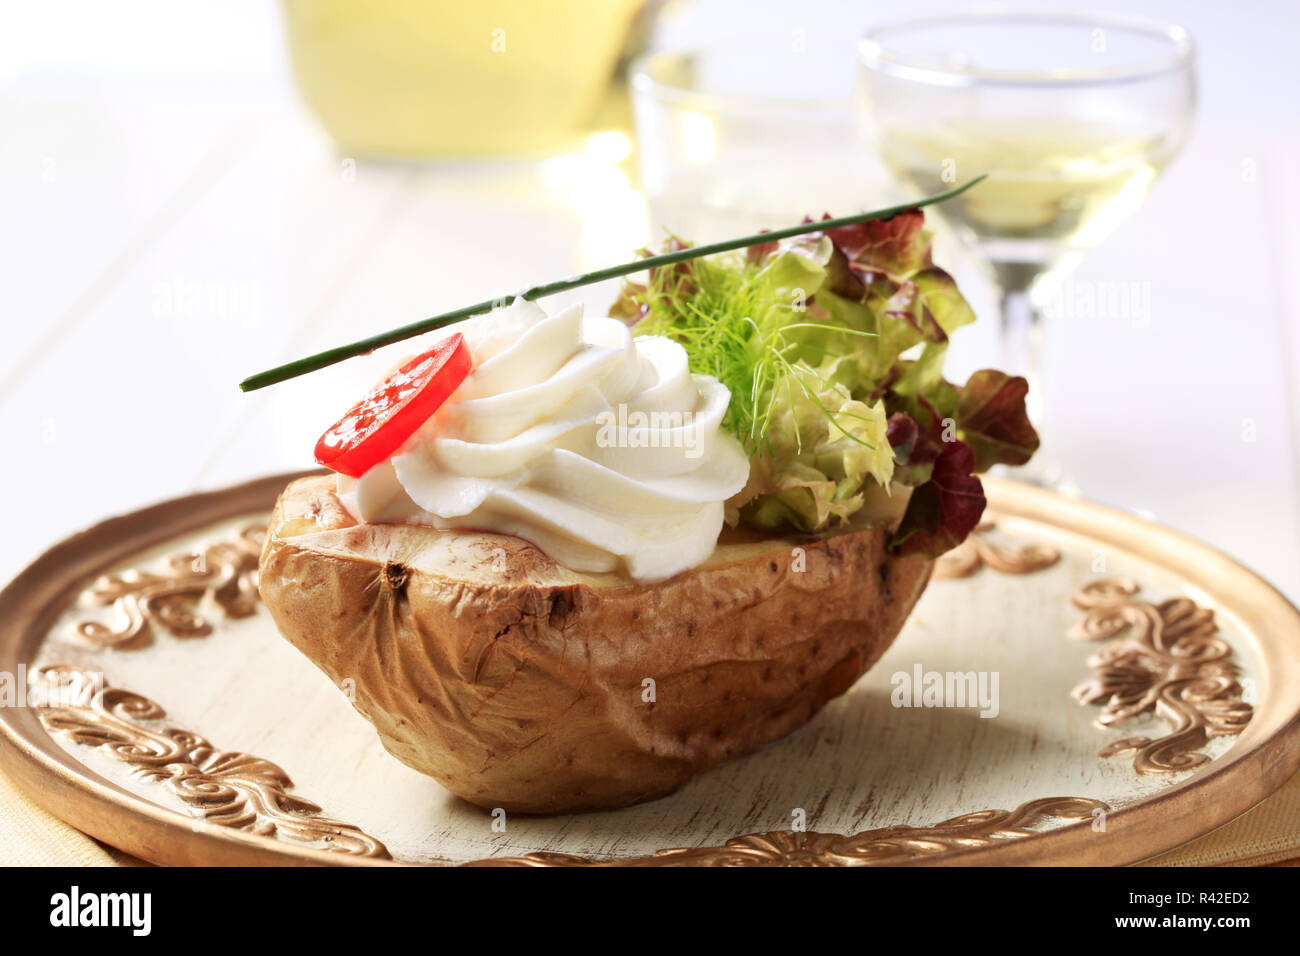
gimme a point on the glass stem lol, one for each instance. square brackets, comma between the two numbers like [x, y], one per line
[1022, 346]
[1022, 354]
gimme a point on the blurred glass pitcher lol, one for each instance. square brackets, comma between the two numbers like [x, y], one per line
[428, 78]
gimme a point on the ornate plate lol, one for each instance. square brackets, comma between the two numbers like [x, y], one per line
[1076, 686]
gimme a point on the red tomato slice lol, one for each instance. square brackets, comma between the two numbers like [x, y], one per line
[375, 427]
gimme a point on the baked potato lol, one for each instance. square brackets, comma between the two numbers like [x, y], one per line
[518, 683]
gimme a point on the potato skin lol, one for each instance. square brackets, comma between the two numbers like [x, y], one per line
[524, 688]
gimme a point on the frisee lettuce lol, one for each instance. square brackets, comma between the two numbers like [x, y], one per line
[809, 336]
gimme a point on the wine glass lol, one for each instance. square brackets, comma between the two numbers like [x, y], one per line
[1072, 116]
[729, 144]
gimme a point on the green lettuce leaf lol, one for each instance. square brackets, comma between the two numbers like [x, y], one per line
[824, 446]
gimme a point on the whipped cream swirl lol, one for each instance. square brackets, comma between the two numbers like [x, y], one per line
[600, 448]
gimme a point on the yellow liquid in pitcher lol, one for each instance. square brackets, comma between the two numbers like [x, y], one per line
[424, 78]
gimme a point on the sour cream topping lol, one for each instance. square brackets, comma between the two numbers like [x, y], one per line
[602, 449]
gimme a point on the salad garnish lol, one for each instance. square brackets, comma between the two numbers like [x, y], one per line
[809, 333]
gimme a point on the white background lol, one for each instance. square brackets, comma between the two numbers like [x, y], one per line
[172, 220]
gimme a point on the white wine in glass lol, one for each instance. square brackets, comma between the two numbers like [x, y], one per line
[1072, 117]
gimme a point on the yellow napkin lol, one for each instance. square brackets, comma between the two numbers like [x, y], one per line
[30, 836]
[1269, 833]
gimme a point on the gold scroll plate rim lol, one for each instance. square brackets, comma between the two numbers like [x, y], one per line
[1261, 759]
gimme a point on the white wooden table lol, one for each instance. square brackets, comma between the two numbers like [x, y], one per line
[159, 242]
